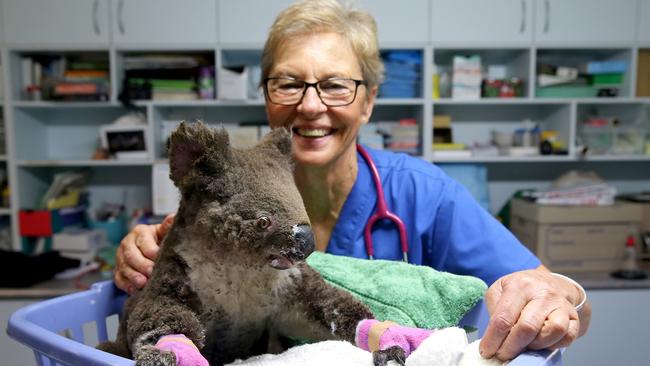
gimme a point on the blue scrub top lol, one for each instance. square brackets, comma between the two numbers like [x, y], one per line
[446, 228]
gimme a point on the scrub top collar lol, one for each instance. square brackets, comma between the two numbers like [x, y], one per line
[357, 207]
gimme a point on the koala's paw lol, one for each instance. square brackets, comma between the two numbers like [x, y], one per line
[152, 356]
[395, 353]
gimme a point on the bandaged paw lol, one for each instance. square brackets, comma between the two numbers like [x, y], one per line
[187, 354]
[373, 335]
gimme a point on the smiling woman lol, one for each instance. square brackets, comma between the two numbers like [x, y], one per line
[320, 72]
[323, 135]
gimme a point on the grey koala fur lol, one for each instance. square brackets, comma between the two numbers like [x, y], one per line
[231, 273]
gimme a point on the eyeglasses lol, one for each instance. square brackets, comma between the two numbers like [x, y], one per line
[332, 92]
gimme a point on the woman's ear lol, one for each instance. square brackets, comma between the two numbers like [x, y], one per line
[369, 104]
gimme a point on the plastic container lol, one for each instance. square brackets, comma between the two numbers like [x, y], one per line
[115, 229]
[39, 326]
[621, 140]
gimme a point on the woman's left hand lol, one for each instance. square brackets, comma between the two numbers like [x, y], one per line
[532, 309]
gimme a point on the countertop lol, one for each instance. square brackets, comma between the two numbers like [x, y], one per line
[53, 287]
[603, 281]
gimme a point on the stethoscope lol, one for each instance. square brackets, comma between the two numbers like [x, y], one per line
[382, 211]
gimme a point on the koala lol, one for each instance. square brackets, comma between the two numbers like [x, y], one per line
[231, 273]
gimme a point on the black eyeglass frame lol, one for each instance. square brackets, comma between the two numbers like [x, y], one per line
[357, 82]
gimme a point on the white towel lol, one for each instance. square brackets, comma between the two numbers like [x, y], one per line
[445, 347]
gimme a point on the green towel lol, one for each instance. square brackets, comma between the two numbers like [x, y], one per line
[410, 295]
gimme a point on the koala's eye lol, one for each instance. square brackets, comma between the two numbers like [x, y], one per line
[264, 222]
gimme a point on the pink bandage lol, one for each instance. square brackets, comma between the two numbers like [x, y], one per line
[373, 335]
[187, 354]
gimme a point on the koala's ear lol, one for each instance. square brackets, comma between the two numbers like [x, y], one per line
[189, 143]
[280, 138]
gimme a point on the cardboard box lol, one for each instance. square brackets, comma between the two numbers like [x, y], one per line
[575, 238]
[645, 215]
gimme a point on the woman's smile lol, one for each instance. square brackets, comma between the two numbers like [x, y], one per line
[313, 132]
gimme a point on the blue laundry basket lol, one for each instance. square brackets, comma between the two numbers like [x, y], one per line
[39, 326]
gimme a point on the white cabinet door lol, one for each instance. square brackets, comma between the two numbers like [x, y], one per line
[247, 22]
[644, 22]
[399, 22]
[2, 34]
[168, 22]
[585, 22]
[491, 22]
[65, 22]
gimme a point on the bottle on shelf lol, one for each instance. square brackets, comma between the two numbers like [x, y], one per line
[630, 269]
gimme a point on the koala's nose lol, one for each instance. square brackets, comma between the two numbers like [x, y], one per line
[304, 238]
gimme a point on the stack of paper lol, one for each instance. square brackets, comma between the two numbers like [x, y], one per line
[577, 188]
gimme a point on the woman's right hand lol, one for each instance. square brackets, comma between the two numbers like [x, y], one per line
[136, 254]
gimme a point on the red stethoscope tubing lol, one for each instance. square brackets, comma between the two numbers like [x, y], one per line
[382, 211]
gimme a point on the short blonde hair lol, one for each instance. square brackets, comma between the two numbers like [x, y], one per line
[324, 16]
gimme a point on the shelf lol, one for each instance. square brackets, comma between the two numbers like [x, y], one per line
[378, 101]
[399, 101]
[499, 101]
[3, 157]
[542, 159]
[5, 211]
[506, 159]
[82, 163]
[199, 103]
[611, 100]
[509, 101]
[616, 158]
[49, 104]
[259, 103]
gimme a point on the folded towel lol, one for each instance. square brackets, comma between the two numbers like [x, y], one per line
[410, 295]
[339, 353]
[446, 347]
[449, 347]
[442, 348]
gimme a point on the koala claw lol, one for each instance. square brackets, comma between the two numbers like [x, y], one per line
[152, 356]
[395, 353]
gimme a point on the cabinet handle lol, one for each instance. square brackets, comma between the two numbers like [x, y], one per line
[522, 28]
[547, 13]
[95, 18]
[120, 12]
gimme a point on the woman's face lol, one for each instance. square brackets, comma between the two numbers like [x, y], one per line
[321, 134]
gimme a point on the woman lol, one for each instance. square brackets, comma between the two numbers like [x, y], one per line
[321, 69]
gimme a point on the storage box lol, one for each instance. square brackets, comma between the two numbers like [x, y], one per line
[115, 228]
[79, 240]
[36, 223]
[232, 83]
[575, 238]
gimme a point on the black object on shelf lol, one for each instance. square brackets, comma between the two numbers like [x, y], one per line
[21, 270]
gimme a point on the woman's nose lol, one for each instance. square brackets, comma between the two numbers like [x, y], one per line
[311, 102]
